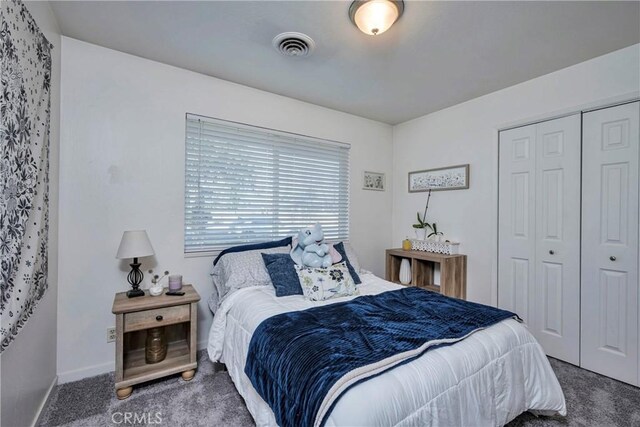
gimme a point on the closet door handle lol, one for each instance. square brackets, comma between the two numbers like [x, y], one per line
[551, 252]
[612, 258]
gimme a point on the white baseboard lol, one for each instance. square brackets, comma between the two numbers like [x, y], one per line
[45, 402]
[89, 371]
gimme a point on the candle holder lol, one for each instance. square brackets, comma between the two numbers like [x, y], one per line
[175, 282]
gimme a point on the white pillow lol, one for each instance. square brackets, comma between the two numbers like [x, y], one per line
[319, 284]
[353, 258]
[238, 270]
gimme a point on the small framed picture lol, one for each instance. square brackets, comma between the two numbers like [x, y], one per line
[373, 181]
[449, 178]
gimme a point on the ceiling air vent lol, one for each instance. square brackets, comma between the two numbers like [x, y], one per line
[294, 44]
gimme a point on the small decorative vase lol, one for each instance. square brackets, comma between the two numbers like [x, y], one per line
[405, 272]
[156, 290]
[156, 346]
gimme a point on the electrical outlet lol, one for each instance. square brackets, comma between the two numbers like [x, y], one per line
[111, 334]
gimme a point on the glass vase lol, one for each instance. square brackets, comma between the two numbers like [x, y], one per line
[156, 345]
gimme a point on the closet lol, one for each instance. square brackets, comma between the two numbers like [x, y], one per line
[568, 236]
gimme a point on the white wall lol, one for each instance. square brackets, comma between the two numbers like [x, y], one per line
[121, 167]
[122, 155]
[29, 363]
[468, 132]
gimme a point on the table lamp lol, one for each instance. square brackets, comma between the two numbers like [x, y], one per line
[135, 244]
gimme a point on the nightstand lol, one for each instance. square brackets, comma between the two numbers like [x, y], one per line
[177, 315]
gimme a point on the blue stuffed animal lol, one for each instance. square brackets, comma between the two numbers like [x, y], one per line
[310, 250]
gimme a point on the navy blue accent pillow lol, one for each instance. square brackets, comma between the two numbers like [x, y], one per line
[339, 247]
[253, 246]
[283, 274]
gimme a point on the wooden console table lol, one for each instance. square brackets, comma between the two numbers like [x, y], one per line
[453, 271]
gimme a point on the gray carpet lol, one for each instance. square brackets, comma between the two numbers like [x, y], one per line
[211, 399]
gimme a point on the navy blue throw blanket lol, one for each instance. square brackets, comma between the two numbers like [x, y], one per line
[295, 358]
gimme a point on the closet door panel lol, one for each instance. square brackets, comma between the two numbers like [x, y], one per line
[516, 228]
[556, 320]
[610, 330]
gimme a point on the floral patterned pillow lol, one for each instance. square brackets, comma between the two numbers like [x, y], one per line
[319, 284]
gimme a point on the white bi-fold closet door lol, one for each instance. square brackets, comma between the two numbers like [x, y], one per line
[610, 298]
[568, 236]
[539, 231]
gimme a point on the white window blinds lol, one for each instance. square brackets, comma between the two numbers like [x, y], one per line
[248, 184]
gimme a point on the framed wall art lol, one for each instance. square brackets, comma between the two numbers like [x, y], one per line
[373, 181]
[449, 178]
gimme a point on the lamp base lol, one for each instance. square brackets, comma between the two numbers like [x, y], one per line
[135, 278]
[135, 293]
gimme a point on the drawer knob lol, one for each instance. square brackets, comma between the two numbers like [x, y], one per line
[551, 252]
[158, 318]
[612, 258]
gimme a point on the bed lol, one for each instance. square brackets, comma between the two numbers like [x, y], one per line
[488, 378]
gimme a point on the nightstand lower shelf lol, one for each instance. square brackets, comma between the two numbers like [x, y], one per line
[136, 370]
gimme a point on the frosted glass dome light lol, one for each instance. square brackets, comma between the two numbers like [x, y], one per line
[374, 17]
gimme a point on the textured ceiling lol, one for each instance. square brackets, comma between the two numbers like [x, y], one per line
[438, 54]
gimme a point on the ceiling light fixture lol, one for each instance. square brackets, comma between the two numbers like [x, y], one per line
[374, 17]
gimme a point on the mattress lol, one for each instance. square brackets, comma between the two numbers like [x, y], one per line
[488, 378]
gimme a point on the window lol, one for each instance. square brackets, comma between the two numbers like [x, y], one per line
[248, 184]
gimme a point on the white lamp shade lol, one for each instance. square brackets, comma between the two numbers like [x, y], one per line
[134, 244]
[376, 16]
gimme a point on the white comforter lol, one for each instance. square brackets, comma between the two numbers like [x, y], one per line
[487, 379]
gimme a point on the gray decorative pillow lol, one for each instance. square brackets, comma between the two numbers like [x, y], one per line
[319, 284]
[242, 269]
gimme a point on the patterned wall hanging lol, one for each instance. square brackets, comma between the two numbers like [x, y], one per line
[25, 74]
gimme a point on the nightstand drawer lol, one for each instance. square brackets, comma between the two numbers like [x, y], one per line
[156, 317]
